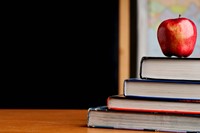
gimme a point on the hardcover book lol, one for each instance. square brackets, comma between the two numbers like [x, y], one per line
[102, 117]
[170, 68]
[120, 102]
[169, 89]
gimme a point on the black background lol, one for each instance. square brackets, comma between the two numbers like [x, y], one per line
[60, 55]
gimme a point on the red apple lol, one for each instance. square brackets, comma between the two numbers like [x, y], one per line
[177, 37]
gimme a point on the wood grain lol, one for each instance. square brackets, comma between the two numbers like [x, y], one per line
[49, 121]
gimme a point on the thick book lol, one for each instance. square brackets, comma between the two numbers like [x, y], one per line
[170, 68]
[169, 89]
[102, 117]
[120, 102]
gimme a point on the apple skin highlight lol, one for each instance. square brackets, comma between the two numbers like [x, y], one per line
[177, 37]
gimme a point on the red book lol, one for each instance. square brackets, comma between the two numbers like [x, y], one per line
[141, 104]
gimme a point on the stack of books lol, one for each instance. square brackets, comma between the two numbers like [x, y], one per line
[166, 97]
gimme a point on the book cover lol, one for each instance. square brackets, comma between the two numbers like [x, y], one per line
[121, 102]
[102, 117]
[172, 68]
[166, 89]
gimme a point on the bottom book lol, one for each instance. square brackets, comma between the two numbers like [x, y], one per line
[102, 117]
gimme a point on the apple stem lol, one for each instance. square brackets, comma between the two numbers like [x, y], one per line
[179, 15]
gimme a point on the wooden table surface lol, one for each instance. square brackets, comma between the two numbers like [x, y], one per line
[50, 121]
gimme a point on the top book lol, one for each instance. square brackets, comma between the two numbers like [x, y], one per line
[170, 68]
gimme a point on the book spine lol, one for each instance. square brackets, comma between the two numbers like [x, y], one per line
[141, 65]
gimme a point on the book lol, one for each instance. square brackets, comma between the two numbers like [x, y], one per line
[102, 117]
[169, 68]
[120, 102]
[169, 89]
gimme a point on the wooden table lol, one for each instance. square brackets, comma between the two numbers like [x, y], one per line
[50, 121]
